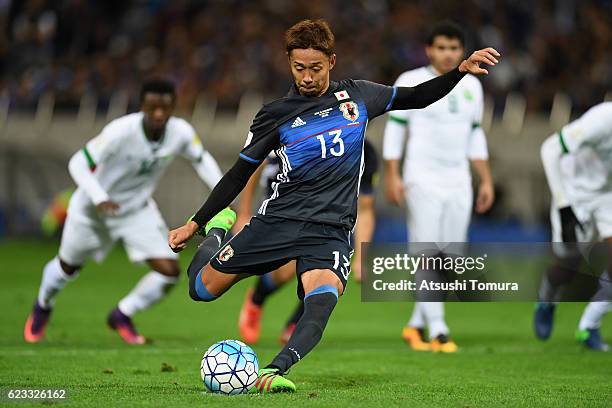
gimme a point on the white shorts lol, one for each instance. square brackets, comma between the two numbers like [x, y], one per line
[596, 220]
[144, 234]
[596, 223]
[438, 214]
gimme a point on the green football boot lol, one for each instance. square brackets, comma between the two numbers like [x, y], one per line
[591, 339]
[225, 219]
[270, 381]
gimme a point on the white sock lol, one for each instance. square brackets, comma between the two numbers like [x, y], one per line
[148, 291]
[53, 280]
[434, 316]
[593, 314]
[417, 319]
[604, 290]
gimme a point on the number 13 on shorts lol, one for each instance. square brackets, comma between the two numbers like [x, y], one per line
[345, 267]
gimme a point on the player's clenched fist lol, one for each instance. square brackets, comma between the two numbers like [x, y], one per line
[178, 238]
[472, 64]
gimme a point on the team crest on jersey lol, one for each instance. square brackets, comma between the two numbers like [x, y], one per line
[349, 111]
[226, 253]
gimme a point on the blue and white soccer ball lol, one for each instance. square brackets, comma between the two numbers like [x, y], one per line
[229, 367]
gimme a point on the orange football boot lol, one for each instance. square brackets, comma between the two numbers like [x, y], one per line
[416, 339]
[249, 322]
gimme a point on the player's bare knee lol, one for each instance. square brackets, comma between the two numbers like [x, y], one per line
[209, 284]
[198, 295]
[316, 278]
[198, 291]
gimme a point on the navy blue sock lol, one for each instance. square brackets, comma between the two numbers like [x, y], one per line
[297, 314]
[318, 306]
[206, 250]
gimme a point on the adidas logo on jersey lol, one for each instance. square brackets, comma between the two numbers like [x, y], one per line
[298, 122]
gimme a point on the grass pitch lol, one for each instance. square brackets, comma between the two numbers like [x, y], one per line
[361, 360]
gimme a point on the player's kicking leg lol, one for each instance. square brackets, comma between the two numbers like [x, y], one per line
[321, 290]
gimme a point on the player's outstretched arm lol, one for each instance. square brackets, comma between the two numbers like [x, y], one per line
[425, 94]
[228, 188]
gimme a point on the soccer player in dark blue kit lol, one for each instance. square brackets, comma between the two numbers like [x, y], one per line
[317, 131]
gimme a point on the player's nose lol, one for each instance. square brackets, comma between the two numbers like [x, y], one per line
[307, 79]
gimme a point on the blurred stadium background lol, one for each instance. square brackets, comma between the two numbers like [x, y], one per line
[69, 66]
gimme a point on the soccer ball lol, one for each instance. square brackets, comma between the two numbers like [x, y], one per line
[229, 367]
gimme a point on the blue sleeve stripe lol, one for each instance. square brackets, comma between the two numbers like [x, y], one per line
[323, 289]
[392, 99]
[247, 158]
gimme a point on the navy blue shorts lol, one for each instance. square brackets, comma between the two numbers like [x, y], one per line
[269, 242]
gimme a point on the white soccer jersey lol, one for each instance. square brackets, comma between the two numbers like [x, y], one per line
[442, 137]
[587, 171]
[127, 165]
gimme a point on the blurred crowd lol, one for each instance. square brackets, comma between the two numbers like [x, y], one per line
[227, 47]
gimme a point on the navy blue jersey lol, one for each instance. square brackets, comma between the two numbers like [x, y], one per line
[268, 176]
[319, 141]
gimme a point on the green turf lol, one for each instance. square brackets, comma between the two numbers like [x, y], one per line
[360, 362]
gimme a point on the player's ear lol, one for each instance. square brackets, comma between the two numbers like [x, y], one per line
[428, 49]
[332, 61]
